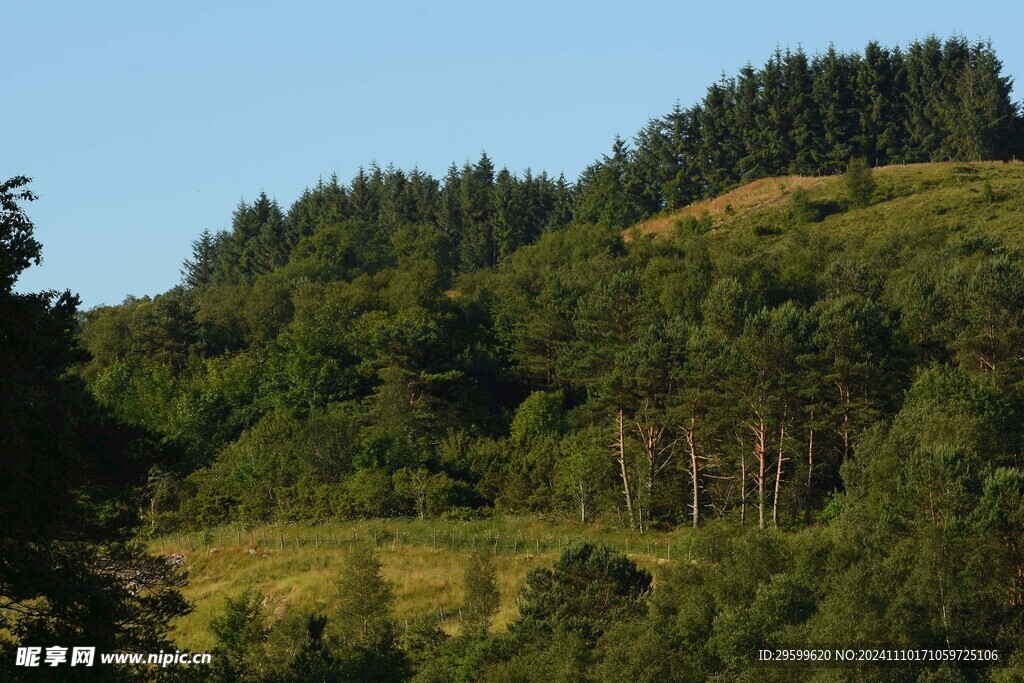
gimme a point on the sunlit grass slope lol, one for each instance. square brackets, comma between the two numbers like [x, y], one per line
[296, 567]
[929, 203]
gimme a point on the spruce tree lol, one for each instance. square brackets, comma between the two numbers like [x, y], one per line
[477, 245]
[199, 271]
[834, 98]
[922, 99]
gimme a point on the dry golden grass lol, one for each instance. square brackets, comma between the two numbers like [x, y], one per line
[425, 579]
[754, 195]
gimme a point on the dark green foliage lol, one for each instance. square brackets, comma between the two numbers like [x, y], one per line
[315, 661]
[71, 572]
[423, 641]
[200, 270]
[564, 660]
[609, 191]
[589, 588]
[360, 315]
[240, 633]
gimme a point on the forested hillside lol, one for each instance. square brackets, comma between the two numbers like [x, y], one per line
[839, 357]
[738, 362]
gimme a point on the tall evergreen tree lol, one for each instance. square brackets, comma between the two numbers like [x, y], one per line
[511, 229]
[923, 99]
[804, 122]
[879, 100]
[449, 208]
[833, 95]
[199, 271]
[477, 248]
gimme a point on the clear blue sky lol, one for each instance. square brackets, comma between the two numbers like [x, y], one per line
[144, 123]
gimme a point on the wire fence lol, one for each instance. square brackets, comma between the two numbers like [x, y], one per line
[284, 538]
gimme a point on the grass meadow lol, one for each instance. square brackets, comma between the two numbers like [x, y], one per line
[296, 566]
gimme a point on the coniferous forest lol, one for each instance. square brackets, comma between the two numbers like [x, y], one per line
[824, 383]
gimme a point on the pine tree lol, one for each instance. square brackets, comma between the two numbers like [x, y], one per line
[363, 200]
[720, 148]
[607, 190]
[879, 102]
[648, 166]
[396, 207]
[979, 113]
[679, 183]
[449, 208]
[563, 199]
[423, 191]
[772, 154]
[744, 129]
[324, 205]
[259, 238]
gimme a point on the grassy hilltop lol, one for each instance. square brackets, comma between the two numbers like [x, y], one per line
[925, 203]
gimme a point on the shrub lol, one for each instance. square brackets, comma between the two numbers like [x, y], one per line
[860, 185]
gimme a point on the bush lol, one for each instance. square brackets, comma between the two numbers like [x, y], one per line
[692, 226]
[860, 185]
[801, 209]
